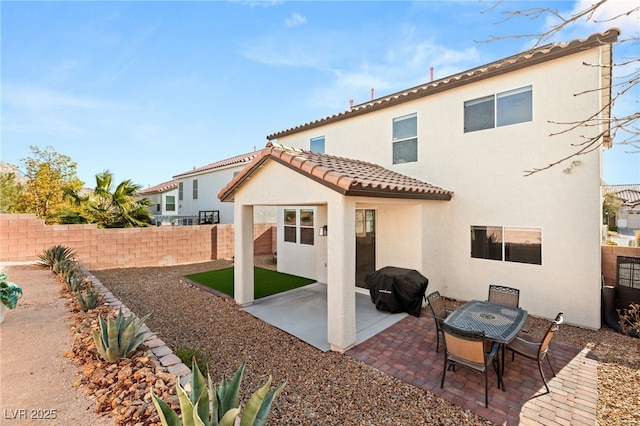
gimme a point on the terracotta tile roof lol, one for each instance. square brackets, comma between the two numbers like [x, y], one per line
[629, 194]
[347, 176]
[521, 60]
[161, 187]
[237, 160]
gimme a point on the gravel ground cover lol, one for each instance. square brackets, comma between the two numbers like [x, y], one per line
[329, 388]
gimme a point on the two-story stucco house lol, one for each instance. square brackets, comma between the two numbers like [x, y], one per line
[163, 197]
[197, 192]
[431, 178]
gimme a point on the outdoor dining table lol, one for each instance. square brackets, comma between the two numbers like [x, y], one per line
[500, 323]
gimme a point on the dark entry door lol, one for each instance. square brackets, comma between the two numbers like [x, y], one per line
[365, 244]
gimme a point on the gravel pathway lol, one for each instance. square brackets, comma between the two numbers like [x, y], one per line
[329, 388]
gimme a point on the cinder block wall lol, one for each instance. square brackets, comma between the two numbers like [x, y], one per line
[23, 237]
[609, 260]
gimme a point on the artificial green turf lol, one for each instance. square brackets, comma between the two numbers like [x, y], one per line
[265, 281]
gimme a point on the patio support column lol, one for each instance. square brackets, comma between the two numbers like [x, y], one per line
[341, 271]
[243, 249]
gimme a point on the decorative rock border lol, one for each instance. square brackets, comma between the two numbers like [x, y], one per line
[163, 355]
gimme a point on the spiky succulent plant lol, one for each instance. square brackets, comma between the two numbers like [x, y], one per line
[118, 338]
[217, 406]
[88, 299]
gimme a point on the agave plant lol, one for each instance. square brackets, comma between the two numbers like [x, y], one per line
[88, 299]
[53, 255]
[118, 338]
[213, 406]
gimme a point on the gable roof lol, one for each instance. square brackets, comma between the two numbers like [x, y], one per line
[237, 160]
[521, 60]
[346, 176]
[161, 187]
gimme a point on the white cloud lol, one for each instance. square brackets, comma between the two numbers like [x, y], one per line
[294, 20]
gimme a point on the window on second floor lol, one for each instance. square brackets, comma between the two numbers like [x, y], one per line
[180, 191]
[317, 145]
[195, 189]
[405, 139]
[501, 109]
[170, 203]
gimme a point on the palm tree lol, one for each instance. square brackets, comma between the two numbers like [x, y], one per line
[117, 208]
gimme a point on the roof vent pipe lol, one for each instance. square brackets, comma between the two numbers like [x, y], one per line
[431, 73]
[350, 103]
[372, 93]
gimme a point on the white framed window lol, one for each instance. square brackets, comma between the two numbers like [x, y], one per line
[170, 203]
[290, 225]
[502, 109]
[180, 191]
[405, 139]
[195, 189]
[306, 227]
[317, 145]
[509, 244]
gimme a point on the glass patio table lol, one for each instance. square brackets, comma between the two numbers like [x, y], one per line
[500, 323]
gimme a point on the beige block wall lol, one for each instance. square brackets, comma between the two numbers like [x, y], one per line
[23, 237]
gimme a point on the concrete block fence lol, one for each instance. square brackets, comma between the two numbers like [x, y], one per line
[23, 237]
[609, 260]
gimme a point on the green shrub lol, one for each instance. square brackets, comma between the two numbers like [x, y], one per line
[118, 338]
[187, 354]
[220, 406]
[9, 292]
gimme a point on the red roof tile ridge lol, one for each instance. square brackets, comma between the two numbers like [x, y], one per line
[608, 36]
[238, 159]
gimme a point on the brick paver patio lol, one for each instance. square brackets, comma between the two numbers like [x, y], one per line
[407, 351]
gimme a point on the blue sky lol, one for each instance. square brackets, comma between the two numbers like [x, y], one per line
[149, 90]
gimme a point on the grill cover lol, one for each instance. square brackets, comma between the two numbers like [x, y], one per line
[397, 290]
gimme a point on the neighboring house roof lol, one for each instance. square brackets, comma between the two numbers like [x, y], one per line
[237, 160]
[161, 187]
[344, 175]
[629, 194]
[521, 60]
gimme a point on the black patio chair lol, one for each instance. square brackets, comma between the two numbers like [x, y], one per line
[439, 310]
[467, 349]
[537, 351]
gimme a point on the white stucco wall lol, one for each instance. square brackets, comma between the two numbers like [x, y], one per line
[484, 169]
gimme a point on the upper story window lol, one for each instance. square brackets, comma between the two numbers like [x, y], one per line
[317, 145]
[405, 139]
[180, 191]
[170, 203]
[195, 189]
[501, 109]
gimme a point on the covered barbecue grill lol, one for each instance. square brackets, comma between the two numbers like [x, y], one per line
[397, 289]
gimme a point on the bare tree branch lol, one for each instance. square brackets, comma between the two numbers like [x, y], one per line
[623, 130]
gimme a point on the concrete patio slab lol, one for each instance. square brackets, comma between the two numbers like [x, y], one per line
[302, 312]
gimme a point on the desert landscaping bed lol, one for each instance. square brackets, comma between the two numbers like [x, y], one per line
[328, 388]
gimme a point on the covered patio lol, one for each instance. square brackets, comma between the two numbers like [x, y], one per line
[335, 188]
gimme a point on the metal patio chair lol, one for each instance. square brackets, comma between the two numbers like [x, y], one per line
[439, 310]
[502, 295]
[537, 351]
[467, 349]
